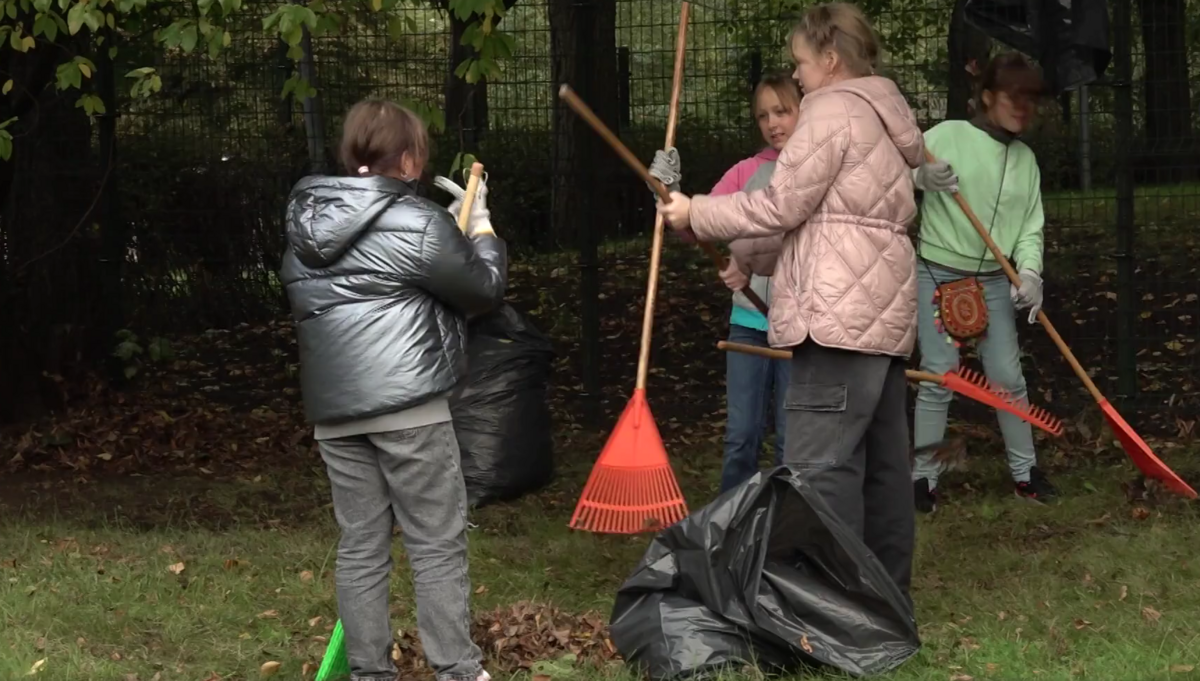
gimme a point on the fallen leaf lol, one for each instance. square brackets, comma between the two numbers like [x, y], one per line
[231, 563]
[541, 677]
[157, 676]
[1082, 624]
[805, 645]
[1124, 593]
[115, 657]
[268, 614]
[306, 576]
[269, 668]
[177, 568]
[308, 669]
[1182, 668]
[130, 677]
[961, 677]
[37, 667]
[1150, 614]
[315, 621]
[40, 644]
[1139, 513]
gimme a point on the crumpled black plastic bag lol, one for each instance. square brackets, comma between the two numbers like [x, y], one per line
[501, 410]
[765, 575]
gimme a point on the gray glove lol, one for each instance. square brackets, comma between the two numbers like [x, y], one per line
[936, 177]
[1029, 295]
[665, 169]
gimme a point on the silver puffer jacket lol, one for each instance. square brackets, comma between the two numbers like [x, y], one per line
[381, 283]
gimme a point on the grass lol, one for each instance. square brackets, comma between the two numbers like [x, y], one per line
[91, 579]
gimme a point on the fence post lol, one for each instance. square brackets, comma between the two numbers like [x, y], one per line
[623, 77]
[1123, 110]
[113, 234]
[585, 167]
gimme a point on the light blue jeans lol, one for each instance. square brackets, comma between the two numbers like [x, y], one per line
[1000, 353]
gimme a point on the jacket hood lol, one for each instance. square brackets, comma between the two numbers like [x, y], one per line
[883, 96]
[326, 215]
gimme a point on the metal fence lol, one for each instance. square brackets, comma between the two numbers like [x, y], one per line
[203, 169]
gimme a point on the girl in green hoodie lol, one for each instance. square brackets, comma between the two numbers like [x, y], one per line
[985, 161]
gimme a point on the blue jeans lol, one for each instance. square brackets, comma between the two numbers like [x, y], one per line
[1000, 353]
[750, 383]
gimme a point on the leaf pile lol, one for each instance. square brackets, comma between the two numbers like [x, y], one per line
[525, 636]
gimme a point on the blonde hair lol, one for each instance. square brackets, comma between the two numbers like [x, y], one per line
[843, 28]
[784, 87]
[377, 134]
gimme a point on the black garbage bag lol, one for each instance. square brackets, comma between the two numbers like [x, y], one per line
[501, 409]
[1068, 37]
[765, 575]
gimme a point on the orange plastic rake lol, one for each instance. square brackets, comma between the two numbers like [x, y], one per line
[632, 487]
[965, 382]
[1137, 449]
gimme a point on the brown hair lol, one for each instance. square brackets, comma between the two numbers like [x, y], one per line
[784, 86]
[843, 28]
[377, 133]
[1012, 74]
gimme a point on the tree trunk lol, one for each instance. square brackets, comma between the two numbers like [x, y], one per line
[583, 53]
[49, 275]
[466, 104]
[1166, 86]
[964, 44]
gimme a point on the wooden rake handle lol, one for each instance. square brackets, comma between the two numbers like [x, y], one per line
[585, 112]
[643, 367]
[464, 215]
[1016, 280]
[772, 353]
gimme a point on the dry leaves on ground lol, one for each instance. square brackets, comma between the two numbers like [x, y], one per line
[517, 637]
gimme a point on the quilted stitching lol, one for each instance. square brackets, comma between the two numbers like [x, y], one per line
[847, 275]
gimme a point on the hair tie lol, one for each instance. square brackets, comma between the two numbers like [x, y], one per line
[363, 170]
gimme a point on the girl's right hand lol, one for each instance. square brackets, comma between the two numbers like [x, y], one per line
[733, 276]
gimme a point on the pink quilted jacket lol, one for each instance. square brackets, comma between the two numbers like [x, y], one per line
[832, 225]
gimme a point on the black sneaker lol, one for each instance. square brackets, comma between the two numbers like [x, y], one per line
[1037, 489]
[924, 498]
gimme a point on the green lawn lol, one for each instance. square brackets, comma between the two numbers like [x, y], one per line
[192, 580]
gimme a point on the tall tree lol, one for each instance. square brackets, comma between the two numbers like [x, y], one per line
[466, 102]
[583, 53]
[966, 45]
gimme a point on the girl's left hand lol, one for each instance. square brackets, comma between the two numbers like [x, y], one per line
[677, 212]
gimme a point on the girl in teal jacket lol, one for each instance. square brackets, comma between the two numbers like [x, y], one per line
[985, 161]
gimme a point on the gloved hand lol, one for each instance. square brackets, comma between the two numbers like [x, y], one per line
[733, 276]
[936, 177]
[666, 169]
[480, 220]
[1029, 295]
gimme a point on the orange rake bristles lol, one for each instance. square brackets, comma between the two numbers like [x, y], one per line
[963, 381]
[632, 488]
[975, 385]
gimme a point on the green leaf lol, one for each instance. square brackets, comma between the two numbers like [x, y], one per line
[396, 28]
[68, 75]
[5, 124]
[6, 145]
[94, 19]
[112, 52]
[204, 6]
[45, 26]
[42, 6]
[11, 10]
[376, 5]
[75, 18]
[91, 104]
[130, 371]
[188, 38]
[8, 86]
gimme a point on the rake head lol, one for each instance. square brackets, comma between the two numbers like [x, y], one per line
[976, 386]
[632, 488]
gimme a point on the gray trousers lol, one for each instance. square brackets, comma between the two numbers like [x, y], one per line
[847, 436]
[411, 477]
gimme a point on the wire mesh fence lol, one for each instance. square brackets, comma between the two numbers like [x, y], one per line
[203, 169]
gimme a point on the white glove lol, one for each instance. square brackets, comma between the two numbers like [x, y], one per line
[1029, 295]
[666, 169]
[480, 220]
[936, 177]
[733, 276]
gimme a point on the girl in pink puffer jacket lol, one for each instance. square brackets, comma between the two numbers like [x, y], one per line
[832, 229]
